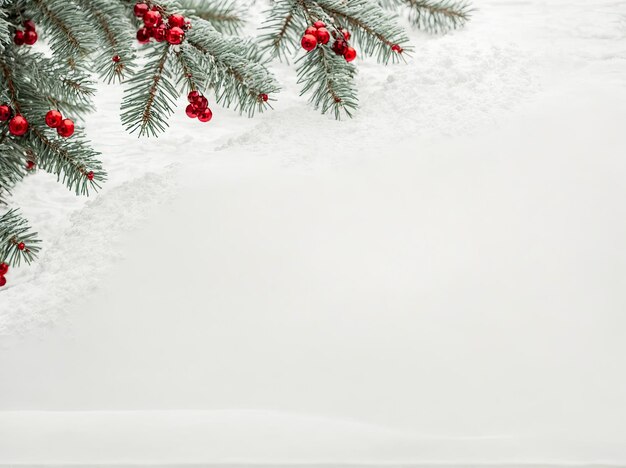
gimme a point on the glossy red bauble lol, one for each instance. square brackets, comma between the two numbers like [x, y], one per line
[3, 281]
[159, 32]
[346, 34]
[308, 42]
[53, 118]
[177, 21]
[66, 128]
[21, 246]
[339, 46]
[140, 10]
[264, 97]
[143, 35]
[152, 18]
[19, 38]
[201, 103]
[4, 269]
[349, 54]
[90, 175]
[396, 48]
[29, 25]
[175, 35]
[192, 96]
[30, 37]
[205, 115]
[322, 35]
[30, 165]
[116, 58]
[5, 113]
[18, 125]
[319, 24]
[191, 111]
[311, 30]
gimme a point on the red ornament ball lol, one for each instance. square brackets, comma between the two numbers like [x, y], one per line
[396, 48]
[5, 113]
[152, 18]
[66, 128]
[159, 32]
[4, 269]
[116, 58]
[18, 125]
[90, 175]
[311, 30]
[21, 246]
[308, 42]
[143, 35]
[319, 24]
[192, 96]
[29, 25]
[264, 97]
[191, 111]
[323, 36]
[349, 54]
[140, 9]
[176, 21]
[3, 281]
[205, 115]
[19, 38]
[175, 35]
[346, 34]
[201, 103]
[30, 165]
[30, 37]
[53, 118]
[339, 46]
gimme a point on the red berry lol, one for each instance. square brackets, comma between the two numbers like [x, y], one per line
[396, 48]
[3, 281]
[90, 175]
[346, 34]
[192, 96]
[116, 58]
[323, 36]
[205, 115]
[21, 246]
[19, 38]
[140, 10]
[308, 42]
[187, 24]
[18, 125]
[53, 119]
[5, 113]
[159, 32]
[191, 111]
[349, 54]
[4, 269]
[319, 24]
[143, 35]
[29, 25]
[264, 97]
[339, 46]
[175, 35]
[176, 21]
[152, 18]
[311, 30]
[30, 37]
[30, 165]
[200, 103]
[66, 128]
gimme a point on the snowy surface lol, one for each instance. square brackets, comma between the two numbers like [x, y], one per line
[441, 279]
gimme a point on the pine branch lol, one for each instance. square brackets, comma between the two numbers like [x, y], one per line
[11, 168]
[151, 96]
[330, 80]
[14, 231]
[235, 69]
[226, 16]
[284, 25]
[438, 16]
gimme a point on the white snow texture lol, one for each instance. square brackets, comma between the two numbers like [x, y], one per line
[439, 280]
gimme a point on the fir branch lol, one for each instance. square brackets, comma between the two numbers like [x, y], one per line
[226, 16]
[330, 80]
[151, 96]
[438, 16]
[10, 85]
[11, 167]
[235, 69]
[14, 230]
[284, 25]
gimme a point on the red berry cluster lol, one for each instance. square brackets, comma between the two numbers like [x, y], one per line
[28, 36]
[318, 34]
[154, 27]
[65, 127]
[18, 125]
[4, 269]
[198, 107]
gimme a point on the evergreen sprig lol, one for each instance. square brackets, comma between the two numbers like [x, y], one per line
[226, 16]
[14, 230]
[435, 16]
